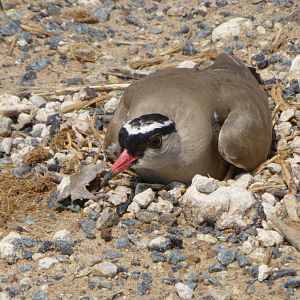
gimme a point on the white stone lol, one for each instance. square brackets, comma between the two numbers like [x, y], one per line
[161, 206]
[55, 105]
[176, 192]
[184, 291]
[8, 101]
[37, 129]
[144, 198]
[4, 296]
[133, 208]
[5, 145]
[295, 66]
[263, 272]
[47, 262]
[111, 105]
[37, 256]
[106, 269]
[207, 238]
[266, 74]
[283, 129]
[24, 118]
[186, 64]
[286, 115]
[119, 195]
[260, 255]
[296, 142]
[268, 198]
[7, 249]
[261, 30]
[62, 235]
[243, 181]
[274, 168]
[5, 126]
[205, 184]
[249, 245]
[292, 207]
[269, 238]
[37, 101]
[43, 114]
[231, 28]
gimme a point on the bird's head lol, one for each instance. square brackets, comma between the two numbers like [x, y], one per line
[148, 142]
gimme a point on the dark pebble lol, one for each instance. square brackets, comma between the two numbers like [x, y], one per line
[242, 260]
[158, 257]
[9, 28]
[175, 257]
[292, 283]
[25, 268]
[24, 35]
[111, 254]
[135, 262]
[184, 29]
[72, 81]
[106, 234]
[12, 291]
[252, 271]
[208, 297]
[214, 281]
[53, 167]
[88, 226]
[276, 253]
[64, 247]
[21, 170]
[53, 10]
[103, 13]
[132, 20]
[28, 78]
[221, 3]
[143, 288]
[250, 289]
[204, 32]
[146, 216]
[39, 65]
[122, 208]
[123, 243]
[188, 49]
[217, 267]
[283, 273]
[226, 256]
[169, 280]
[55, 121]
[40, 295]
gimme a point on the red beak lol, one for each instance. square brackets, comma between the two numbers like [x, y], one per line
[123, 162]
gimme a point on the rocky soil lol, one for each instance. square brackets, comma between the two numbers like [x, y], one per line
[64, 66]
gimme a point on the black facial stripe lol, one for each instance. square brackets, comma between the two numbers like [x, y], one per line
[148, 119]
[136, 144]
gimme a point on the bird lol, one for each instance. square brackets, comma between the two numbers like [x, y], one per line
[179, 122]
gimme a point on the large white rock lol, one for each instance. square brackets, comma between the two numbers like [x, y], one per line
[205, 184]
[231, 28]
[263, 272]
[144, 198]
[119, 195]
[184, 291]
[43, 114]
[47, 262]
[111, 105]
[7, 249]
[227, 206]
[269, 238]
[62, 235]
[294, 72]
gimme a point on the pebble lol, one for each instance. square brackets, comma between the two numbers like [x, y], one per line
[263, 272]
[123, 243]
[242, 260]
[231, 28]
[226, 256]
[107, 218]
[189, 49]
[106, 269]
[5, 145]
[286, 115]
[62, 235]
[160, 243]
[184, 291]
[144, 198]
[111, 105]
[161, 206]
[47, 262]
[292, 283]
[269, 238]
[205, 184]
[5, 126]
[43, 114]
[207, 238]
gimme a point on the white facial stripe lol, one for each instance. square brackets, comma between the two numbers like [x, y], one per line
[146, 127]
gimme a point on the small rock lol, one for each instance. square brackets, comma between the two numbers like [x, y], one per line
[37, 101]
[184, 291]
[205, 184]
[231, 28]
[261, 255]
[47, 262]
[207, 238]
[5, 145]
[106, 234]
[108, 218]
[161, 206]
[111, 105]
[160, 244]
[226, 256]
[188, 49]
[144, 198]
[40, 295]
[287, 115]
[106, 269]
[123, 243]
[38, 65]
[43, 114]
[91, 260]
[263, 272]
[292, 283]
[5, 126]
[186, 64]
[242, 260]
[269, 238]
[133, 208]
[274, 168]
[261, 30]
[7, 249]
[62, 235]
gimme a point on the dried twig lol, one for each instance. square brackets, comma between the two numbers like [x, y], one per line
[70, 146]
[12, 46]
[278, 40]
[32, 28]
[138, 43]
[145, 63]
[288, 176]
[261, 187]
[84, 104]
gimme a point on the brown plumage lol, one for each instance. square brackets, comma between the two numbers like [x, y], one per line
[221, 117]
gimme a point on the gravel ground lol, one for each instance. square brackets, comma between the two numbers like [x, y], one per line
[64, 66]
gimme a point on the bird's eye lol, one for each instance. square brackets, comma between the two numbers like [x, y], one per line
[155, 142]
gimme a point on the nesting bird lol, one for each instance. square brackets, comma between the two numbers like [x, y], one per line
[177, 123]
